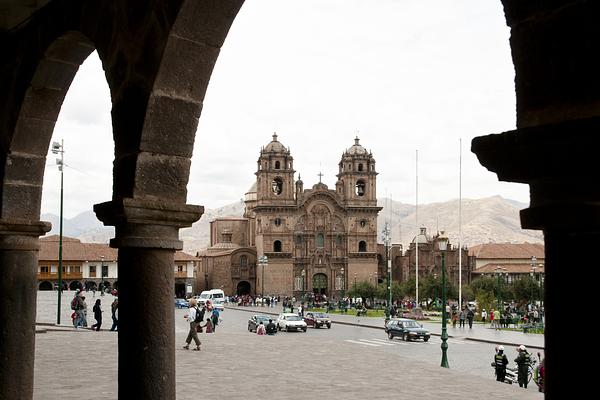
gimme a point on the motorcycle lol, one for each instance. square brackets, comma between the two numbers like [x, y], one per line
[512, 373]
[538, 374]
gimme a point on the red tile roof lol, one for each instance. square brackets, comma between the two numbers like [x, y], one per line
[522, 268]
[75, 250]
[508, 250]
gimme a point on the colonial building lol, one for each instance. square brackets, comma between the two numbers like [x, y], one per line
[87, 265]
[509, 260]
[315, 240]
[430, 260]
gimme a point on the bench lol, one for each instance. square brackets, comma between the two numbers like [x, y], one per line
[533, 327]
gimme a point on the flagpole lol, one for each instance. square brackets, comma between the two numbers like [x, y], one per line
[417, 224]
[460, 225]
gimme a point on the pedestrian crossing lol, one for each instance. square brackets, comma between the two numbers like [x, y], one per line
[379, 342]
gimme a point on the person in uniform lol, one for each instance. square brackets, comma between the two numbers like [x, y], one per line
[523, 360]
[500, 362]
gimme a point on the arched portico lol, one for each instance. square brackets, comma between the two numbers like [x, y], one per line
[142, 44]
[156, 102]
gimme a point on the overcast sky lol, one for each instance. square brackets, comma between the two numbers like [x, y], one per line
[403, 75]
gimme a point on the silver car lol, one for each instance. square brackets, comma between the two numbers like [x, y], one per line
[290, 322]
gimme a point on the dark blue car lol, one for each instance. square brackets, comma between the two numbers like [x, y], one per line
[181, 303]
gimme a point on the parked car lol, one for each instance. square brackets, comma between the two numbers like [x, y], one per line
[181, 303]
[407, 329]
[255, 320]
[290, 321]
[317, 319]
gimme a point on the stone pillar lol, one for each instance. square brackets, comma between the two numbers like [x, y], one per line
[18, 293]
[147, 235]
[558, 161]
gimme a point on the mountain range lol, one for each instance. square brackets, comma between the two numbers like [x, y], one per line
[488, 220]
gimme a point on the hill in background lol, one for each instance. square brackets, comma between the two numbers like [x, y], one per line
[492, 219]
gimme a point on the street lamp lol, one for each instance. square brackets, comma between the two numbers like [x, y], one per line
[343, 283]
[102, 281]
[387, 238]
[303, 275]
[443, 244]
[58, 148]
[498, 271]
[263, 262]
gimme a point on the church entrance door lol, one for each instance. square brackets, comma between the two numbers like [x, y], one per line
[243, 288]
[319, 284]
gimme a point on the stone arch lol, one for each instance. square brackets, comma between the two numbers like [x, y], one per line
[74, 285]
[45, 285]
[243, 288]
[23, 168]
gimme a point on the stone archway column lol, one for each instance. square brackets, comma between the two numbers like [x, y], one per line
[147, 236]
[18, 293]
[559, 162]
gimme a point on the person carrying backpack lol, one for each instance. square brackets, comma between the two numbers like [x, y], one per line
[193, 317]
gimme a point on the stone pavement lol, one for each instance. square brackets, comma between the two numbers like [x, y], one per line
[235, 364]
[479, 332]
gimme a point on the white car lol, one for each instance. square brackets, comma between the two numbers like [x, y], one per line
[290, 321]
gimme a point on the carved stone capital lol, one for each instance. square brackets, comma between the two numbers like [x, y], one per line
[17, 234]
[147, 223]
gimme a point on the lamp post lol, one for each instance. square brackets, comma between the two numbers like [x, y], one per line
[263, 261]
[498, 271]
[355, 280]
[343, 283]
[58, 148]
[387, 238]
[443, 244]
[303, 275]
[102, 284]
[533, 267]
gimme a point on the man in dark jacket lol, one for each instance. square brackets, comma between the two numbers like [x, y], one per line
[523, 360]
[500, 362]
[271, 329]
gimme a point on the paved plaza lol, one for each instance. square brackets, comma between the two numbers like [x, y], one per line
[235, 364]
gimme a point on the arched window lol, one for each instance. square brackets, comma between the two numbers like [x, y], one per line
[320, 240]
[360, 167]
[277, 186]
[362, 246]
[277, 165]
[360, 188]
[243, 261]
[277, 246]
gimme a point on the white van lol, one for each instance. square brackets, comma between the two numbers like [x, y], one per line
[216, 297]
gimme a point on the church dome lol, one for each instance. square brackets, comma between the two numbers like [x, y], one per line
[357, 149]
[275, 146]
[422, 236]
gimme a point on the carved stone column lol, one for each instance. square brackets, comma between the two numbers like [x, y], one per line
[147, 235]
[18, 293]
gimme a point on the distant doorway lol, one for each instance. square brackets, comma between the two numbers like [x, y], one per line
[46, 286]
[320, 284]
[243, 288]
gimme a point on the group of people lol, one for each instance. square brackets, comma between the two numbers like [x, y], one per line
[269, 329]
[465, 315]
[195, 318]
[79, 315]
[523, 362]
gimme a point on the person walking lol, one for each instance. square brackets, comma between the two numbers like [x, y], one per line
[500, 362]
[470, 316]
[209, 326]
[194, 317]
[492, 317]
[97, 315]
[483, 316]
[523, 360]
[462, 318]
[114, 308]
[215, 318]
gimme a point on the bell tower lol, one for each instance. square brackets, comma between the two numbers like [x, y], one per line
[275, 175]
[357, 177]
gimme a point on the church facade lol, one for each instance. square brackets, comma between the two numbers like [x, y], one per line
[315, 240]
